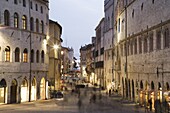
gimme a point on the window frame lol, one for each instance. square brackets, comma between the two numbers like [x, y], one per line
[6, 18]
[37, 56]
[32, 56]
[42, 56]
[16, 20]
[7, 54]
[24, 3]
[25, 55]
[17, 55]
[24, 22]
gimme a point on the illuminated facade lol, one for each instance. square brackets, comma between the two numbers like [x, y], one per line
[142, 32]
[99, 53]
[23, 60]
[86, 62]
[109, 78]
[67, 61]
[54, 51]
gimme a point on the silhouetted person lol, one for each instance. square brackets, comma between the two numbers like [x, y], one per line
[109, 92]
[100, 96]
[150, 104]
[79, 103]
[157, 106]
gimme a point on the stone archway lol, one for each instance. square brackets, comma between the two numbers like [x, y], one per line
[13, 91]
[123, 87]
[126, 87]
[33, 89]
[24, 91]
[167, 86]
[3, 90]
[129, 89]
[42, 88]
[133, 90]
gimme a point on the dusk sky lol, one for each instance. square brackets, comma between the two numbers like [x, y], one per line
[78, 19]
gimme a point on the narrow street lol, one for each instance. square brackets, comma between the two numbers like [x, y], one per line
[106, 104]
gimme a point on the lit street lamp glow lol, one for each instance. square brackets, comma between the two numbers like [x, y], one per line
[56, 46]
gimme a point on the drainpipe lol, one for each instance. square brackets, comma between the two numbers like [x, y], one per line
[126, 48]
[30, 57]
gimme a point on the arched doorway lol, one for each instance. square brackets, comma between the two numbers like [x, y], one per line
[24, 91]
[129, 89]
[42, 89]
[167, 86]
[133, 90]
[142, 94]
[13, 93]
[33, 90]
[3, 91]
[123, 87]
[126, 85]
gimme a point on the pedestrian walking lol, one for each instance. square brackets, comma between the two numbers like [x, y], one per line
[157, 106]
[79, 103]
[146, 107]
[100, 96]
[150, 104]
[109, 92]
[93, 98]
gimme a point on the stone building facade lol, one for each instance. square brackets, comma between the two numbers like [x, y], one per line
[109, 78]
[86, 68]
[142, 42]
[54, 51]
[23, 60]
[99, 53]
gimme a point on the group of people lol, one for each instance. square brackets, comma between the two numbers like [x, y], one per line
[159, 107]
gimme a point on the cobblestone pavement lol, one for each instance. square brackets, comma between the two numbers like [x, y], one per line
[106, 104]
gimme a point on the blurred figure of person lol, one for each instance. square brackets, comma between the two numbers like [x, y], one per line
[146, 107]
[93, 98]
[150, 104]
[157, 106]
[100, 96]
[110, 92]
[79, 103]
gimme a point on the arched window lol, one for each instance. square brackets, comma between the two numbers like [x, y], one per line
[151, 42]
[145, 45]
[25, 55]
[135, 46]
[17, 54]
[6, 18]
[41, 9]
[16, 20]
[32, 24]
[131, 47]
[24, 3]
[158, 40]
[32, 56]
[42, 27]
[15, 2]
[166, 38]
[42, 56]
[140, 45]
[37, 56]
[7, 54]
[37, 25]
[36, 7]
[24, 22]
